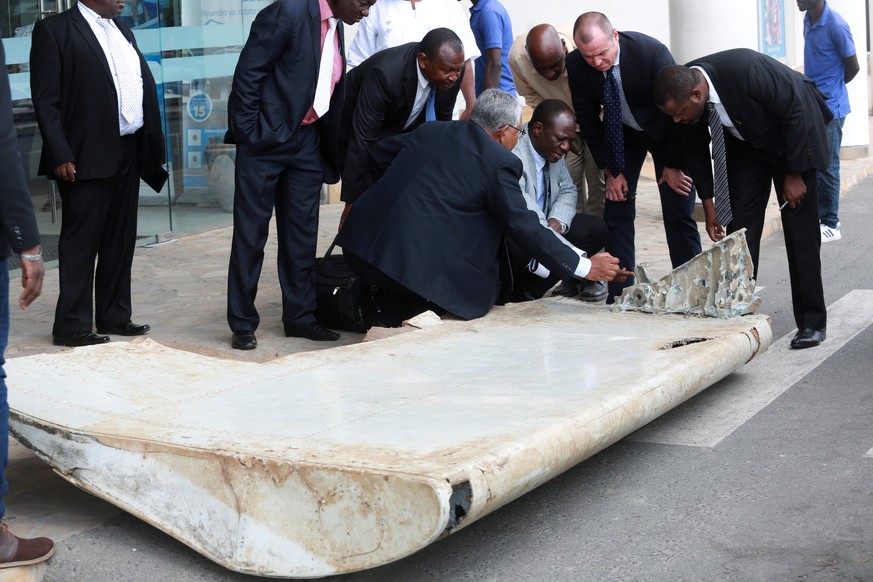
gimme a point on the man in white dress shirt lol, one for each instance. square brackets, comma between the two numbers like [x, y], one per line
[97, 108]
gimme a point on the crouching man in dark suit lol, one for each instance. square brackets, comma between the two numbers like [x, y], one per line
[431, 230]
[767, 125]
[393, 92]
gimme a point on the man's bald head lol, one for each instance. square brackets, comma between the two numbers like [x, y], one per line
[547, 51]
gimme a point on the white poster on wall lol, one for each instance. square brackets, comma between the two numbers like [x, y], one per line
[235, 13]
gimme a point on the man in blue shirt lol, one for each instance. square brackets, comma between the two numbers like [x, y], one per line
[829, 59]
[493, 31]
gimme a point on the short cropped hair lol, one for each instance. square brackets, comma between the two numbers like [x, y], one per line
[548, 111]
[589, 21]
[436, 39]
[674, 83]
[494, 109]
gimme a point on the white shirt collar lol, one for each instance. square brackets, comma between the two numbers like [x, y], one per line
[91, 16]
[713, 94]
[423, 83]
[540, 160]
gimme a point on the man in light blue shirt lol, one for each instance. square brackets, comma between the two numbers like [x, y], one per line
[830, 59]
[493, 31]
[549, 192]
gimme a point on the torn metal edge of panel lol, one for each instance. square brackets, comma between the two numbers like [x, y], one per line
[716, 283]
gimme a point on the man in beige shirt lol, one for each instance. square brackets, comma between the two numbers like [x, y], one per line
[538, 63]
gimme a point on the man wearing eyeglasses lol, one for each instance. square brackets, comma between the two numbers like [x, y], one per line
[430, 231]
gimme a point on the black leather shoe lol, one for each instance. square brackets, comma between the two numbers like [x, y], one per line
[593, 291]
[314, 331]
[569, 288]
[244, 340]
[808, 338]
[128, 328]
[78, 339]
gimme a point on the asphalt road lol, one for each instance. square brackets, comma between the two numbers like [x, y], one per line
[768, 475]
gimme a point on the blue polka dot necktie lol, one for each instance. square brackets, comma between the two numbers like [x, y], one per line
[721, 190]
[612, 125]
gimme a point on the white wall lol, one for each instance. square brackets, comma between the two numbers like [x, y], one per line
[702, 27]
[692, 28]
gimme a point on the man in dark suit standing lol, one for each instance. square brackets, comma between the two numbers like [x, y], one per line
[284, 79]
[431, 230]
[21, 236]
[614, 71]
[771, 129]
[97, 109]
[393, 91]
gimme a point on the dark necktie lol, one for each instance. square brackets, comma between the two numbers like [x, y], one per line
[429, 108]
[721, 191]
[612, 125]
[543, 198]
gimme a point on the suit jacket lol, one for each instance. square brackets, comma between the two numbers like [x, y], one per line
[561, 203]
[774, 108]
[378, 97]
[76, 106]
[435, 221]
[17, 220]
[276, 75]
[640, 59]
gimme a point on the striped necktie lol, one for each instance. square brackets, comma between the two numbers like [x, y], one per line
[721, 190]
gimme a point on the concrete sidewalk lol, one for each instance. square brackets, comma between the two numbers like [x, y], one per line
[179, 287]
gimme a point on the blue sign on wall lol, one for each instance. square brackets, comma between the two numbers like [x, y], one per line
[771, 28]
[199, 107]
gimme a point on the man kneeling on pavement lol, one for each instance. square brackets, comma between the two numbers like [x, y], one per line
[430, 232]
[549, 191]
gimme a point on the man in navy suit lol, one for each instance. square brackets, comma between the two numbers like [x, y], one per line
[394, 91]
[281, 88]
[773, 122]
[633, 59]
[431, 230]
[97, 108]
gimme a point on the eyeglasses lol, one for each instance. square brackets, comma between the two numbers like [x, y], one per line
[520, 131]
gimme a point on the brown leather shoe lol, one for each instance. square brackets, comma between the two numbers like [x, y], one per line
[16, 551]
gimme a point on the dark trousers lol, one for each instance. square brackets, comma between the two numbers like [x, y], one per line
[98, 224]
[683, 238]
[286, 178]
[750, 174]
[586, 232]
[394, 303]
[4, 401]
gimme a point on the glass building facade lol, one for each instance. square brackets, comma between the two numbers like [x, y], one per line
[192, 48]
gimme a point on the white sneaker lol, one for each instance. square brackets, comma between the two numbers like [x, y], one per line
[829, 234]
